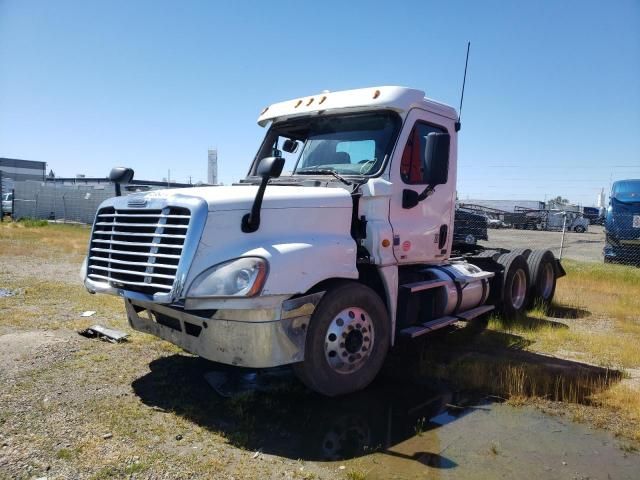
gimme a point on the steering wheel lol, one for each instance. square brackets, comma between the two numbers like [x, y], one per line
[366, 165]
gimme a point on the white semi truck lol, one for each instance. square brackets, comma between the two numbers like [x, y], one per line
[325, 267]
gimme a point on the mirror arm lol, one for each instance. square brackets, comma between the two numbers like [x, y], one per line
[426, 193]
[251, 221]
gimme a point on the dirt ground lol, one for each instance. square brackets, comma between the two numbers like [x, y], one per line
[585, 247]
[500, 402]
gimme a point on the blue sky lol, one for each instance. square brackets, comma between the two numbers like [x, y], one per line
[552, 105]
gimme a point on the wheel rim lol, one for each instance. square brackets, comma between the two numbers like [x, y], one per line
[518, 289]
[547, 281]
[349, 340]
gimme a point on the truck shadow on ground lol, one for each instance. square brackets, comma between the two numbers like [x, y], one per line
[423, 386]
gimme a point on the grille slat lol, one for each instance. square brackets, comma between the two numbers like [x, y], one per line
[139, 264]
[126, 282]
[138, 234]
[135, 244]
[132, 272]
[137, 254]
[142, 215]
[145, 225]
[138, 249]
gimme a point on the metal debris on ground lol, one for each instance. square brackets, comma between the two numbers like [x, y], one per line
[88, 313]
[104, 333]
[4, 292]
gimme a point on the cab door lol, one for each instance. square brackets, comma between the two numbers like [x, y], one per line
[422, 233]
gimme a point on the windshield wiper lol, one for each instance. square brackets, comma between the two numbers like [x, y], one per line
[323, 171]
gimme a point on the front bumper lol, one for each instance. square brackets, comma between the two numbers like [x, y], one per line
[246, 343]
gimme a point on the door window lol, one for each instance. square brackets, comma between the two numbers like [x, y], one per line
[412, 163]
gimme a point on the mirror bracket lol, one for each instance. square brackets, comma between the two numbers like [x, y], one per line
[270, 167]
[411, 198]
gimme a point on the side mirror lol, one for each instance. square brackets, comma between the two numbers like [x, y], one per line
[435, 167]
[436, 159]
[290, 146]
[120, 175]
[270, 167]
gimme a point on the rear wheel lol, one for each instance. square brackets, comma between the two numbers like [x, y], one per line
[580, 229]
[543, 276]
[515, 284]
[347, 341]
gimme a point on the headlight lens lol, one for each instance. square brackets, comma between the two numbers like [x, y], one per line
[243, 277]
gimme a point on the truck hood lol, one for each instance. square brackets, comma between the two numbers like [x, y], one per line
[240, 197]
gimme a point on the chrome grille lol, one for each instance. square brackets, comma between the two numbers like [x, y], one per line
[138, 249]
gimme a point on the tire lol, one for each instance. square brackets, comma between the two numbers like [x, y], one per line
[515, 284]
[543, 277]
[579, 229]
[525, 252]
[355, 313]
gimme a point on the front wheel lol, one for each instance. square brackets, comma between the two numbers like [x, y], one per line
[580, 229]
[347, 341]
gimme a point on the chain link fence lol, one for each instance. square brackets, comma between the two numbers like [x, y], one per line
[614, 238]
[52, 201]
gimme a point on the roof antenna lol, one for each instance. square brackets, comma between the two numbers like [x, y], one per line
[464, 80]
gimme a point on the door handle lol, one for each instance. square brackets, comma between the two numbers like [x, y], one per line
[442, 238]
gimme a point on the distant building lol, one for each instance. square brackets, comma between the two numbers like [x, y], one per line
[16, 169]
[101, 182]
[212, 164]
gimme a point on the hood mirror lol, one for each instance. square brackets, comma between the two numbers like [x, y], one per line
[120, 175]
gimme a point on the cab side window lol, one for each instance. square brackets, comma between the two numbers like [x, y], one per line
[412, 163]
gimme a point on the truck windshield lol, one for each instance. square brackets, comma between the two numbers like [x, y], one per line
[626, 191]
[354, 144]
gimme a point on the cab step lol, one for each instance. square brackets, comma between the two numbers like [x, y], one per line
[432, 325]
[427, 327]
[475, 312]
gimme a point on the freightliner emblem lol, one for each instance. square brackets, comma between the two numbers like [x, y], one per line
[136, 202]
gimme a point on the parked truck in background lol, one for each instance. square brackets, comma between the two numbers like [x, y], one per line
[622, 223]
[325, 268]
[7, 203]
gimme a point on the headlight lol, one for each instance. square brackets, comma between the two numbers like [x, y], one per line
[243, 277]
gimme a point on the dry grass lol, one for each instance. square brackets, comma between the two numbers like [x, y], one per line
[22, 239]
[595, 319]
[600, 306]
